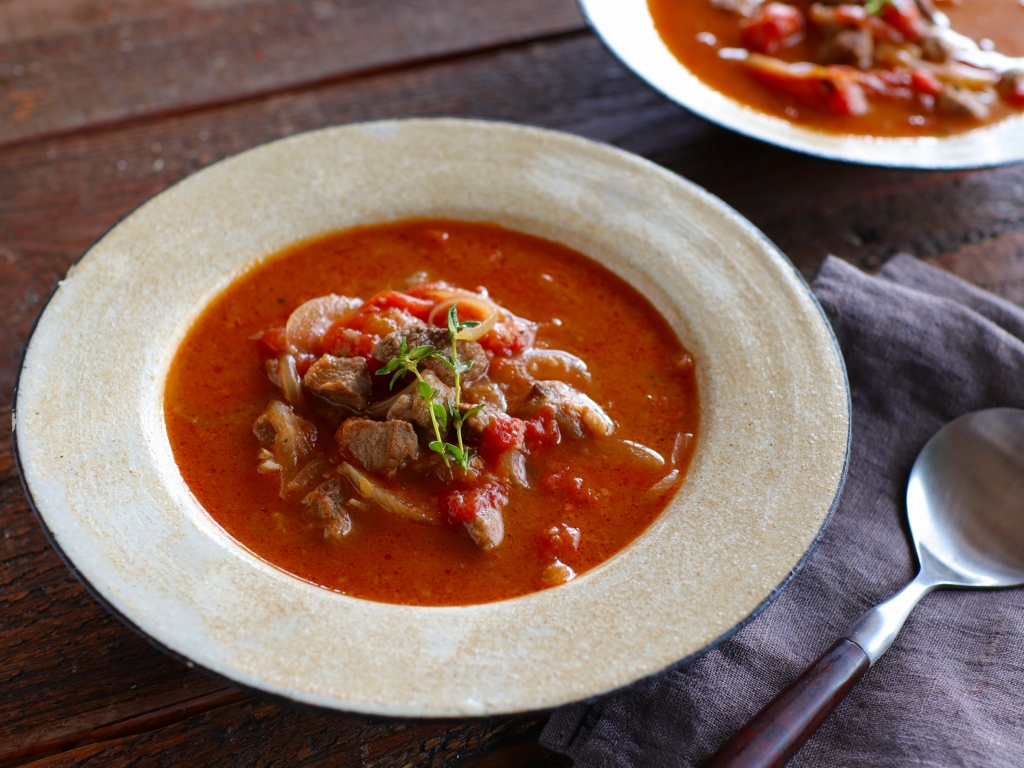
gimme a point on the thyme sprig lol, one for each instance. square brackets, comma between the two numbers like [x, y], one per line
[874, 7]
[408, 361]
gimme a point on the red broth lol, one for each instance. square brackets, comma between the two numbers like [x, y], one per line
[641, 375]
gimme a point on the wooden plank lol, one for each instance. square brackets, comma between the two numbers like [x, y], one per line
[71, 64]
[59, 195]
[258, 733]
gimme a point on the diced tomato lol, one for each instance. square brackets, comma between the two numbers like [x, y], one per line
[905, 17]
[923, 81]
[417, 307]
[542, 430]
[559, 542]
[509, 337]
[303, 363]
[343, 341]
[775, 26]
[1011, 87]
[271, 342]
[464, 505]
[834, 89]
[568, 486]
[502, 433]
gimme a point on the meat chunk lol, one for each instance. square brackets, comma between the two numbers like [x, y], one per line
[327, 502]
[961, 102]
[380, 446]
[479, 509]
[936, 48]
[470, 352]
[855, 47]
[287, 442]
[413, 408]
[573, 410]
[342, 380]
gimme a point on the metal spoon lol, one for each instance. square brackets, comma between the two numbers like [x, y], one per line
[965, 503]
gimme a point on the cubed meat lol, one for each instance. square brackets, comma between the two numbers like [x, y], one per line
[380, 446]
[479, 509]
[413, 408]
[286, 439]
[961, 102]
[327, 502]
[855, 47]
[573, 410]
[469, 352]
[342, 380]
[936, 48]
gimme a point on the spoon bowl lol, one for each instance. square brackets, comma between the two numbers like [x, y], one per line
[965, 501]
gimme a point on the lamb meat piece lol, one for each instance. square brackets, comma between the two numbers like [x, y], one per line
[479, 421]
[380, 446]
[286, 439]
[413, 408]
[572, 409]
[479, 509]
[469, 352]
[855, 47]
[936, 48]
[961, 102]
[342, 380]
[327, 502]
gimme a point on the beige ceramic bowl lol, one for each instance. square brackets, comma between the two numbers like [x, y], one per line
[770, 461]
[628, 30]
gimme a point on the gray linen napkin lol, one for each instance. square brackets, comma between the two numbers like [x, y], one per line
[922, 347]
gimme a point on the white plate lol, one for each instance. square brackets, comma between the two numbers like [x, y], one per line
[627, 28]
[770, 461]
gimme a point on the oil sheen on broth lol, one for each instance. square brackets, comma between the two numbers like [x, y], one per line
[570, 425]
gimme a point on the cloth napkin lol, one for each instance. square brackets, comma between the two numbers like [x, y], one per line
[921, 347]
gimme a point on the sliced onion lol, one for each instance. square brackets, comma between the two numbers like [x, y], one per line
[683, 440]
[485, 308]
[309, 476]
[660, 488]
[553, 364]
[381, 407]
[310, 321]
[648, 456]
[513, 466]
[291, 385]
[383, 498]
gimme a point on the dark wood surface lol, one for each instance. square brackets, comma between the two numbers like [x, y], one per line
[103, 103]
[785, 723]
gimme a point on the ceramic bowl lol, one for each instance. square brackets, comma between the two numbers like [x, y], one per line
[627, 28]
[94, 452]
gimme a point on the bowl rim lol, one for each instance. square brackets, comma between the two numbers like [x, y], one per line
[997, 144]
[283, 696]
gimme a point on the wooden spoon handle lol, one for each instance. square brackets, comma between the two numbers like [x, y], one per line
[775, 733]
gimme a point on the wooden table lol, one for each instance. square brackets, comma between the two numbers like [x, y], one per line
[103, 103]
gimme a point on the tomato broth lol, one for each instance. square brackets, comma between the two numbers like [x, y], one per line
[587, 498]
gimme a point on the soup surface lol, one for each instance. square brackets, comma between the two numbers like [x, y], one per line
[314, 411]
[874, 67]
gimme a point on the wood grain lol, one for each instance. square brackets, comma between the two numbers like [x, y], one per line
[258, 733]
[94, 62]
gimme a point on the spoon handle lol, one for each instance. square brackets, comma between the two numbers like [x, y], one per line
[775, 733]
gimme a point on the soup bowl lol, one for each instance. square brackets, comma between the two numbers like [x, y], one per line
[627, 28]
[94, 452]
